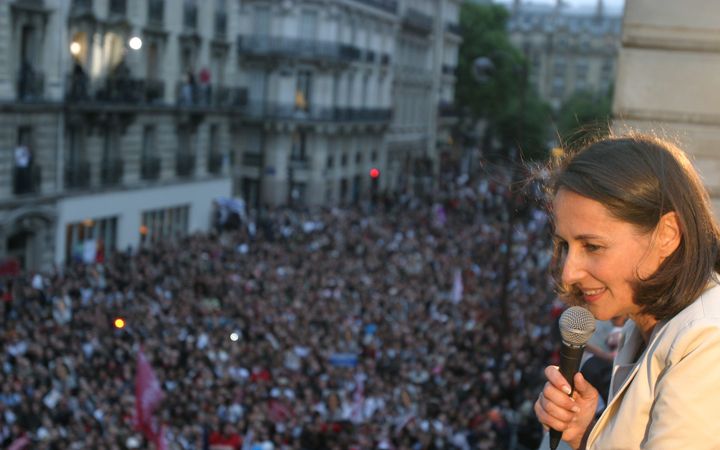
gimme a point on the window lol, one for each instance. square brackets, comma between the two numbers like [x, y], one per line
[148, 143]
[308, 25]
[343, 160]
[303, 90]
[330, 162]
[190, 14]
[581, 70]
[261, 21]
[162, 224]
[88, 241]
[299, 144]
[214, 154]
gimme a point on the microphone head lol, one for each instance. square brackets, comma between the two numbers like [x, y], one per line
[577, 324]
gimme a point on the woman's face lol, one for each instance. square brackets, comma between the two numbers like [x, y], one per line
[601, 255]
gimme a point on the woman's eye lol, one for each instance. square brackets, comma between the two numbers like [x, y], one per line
[591, 247]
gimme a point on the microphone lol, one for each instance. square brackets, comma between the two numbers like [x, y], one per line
[577, 324]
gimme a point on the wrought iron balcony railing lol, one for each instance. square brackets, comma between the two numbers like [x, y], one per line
[184, 164]
[26, 180]
[251, 159]
[111, 171]
[210, 96]
[386, 5]
[280, 111]
[417, 20]
[30, 84]
[77, 175]
[114, 90]
[150, 168]
[285, 47]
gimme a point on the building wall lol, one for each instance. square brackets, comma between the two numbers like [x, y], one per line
[45, 119]
[568, 49]
[359, 80]
[128, 207]
[667, 80]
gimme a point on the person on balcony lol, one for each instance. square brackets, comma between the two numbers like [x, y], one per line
[79, 83]
[187, 92]
[23, 169]
[205, 88]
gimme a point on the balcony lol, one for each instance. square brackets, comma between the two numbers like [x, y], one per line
[389, 6]
[26, 180]
[215, 162]
[150, 168]
[29, 5]
[279, 111]
[417, 21]
[111, 172]
[210, 96]
[292, 48]
[229, 97]
[30, 84]
[453, 28]
[77, 175]
[184, 165]
[156, 14]
[251, 159]
[116, 90]
[299, 164]
[154, 91]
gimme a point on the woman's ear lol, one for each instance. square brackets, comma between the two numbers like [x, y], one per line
[669, 234]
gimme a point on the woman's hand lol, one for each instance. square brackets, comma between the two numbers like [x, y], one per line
[572, 415]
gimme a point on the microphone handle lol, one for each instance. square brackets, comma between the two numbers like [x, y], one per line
[570, 356]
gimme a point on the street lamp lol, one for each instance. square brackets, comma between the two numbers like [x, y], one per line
[483, 68]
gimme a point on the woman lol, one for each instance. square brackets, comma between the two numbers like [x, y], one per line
[634, 234]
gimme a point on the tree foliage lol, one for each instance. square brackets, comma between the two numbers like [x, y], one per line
[584, 116]
[514, 113]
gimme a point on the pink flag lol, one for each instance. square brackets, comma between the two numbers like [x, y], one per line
[148, 396]
[19, 443]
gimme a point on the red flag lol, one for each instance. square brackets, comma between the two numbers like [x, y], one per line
[148, 396]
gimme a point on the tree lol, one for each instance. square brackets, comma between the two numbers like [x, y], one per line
[514, 113]
[583, 117]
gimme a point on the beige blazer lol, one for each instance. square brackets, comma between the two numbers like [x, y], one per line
[669, 397]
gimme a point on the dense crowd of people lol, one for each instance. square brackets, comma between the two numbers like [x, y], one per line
[332, 329]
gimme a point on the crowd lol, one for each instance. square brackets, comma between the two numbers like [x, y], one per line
[333, 329]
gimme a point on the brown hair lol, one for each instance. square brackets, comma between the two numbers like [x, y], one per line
[639, 178]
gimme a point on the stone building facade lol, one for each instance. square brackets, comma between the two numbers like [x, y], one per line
[121, 121]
